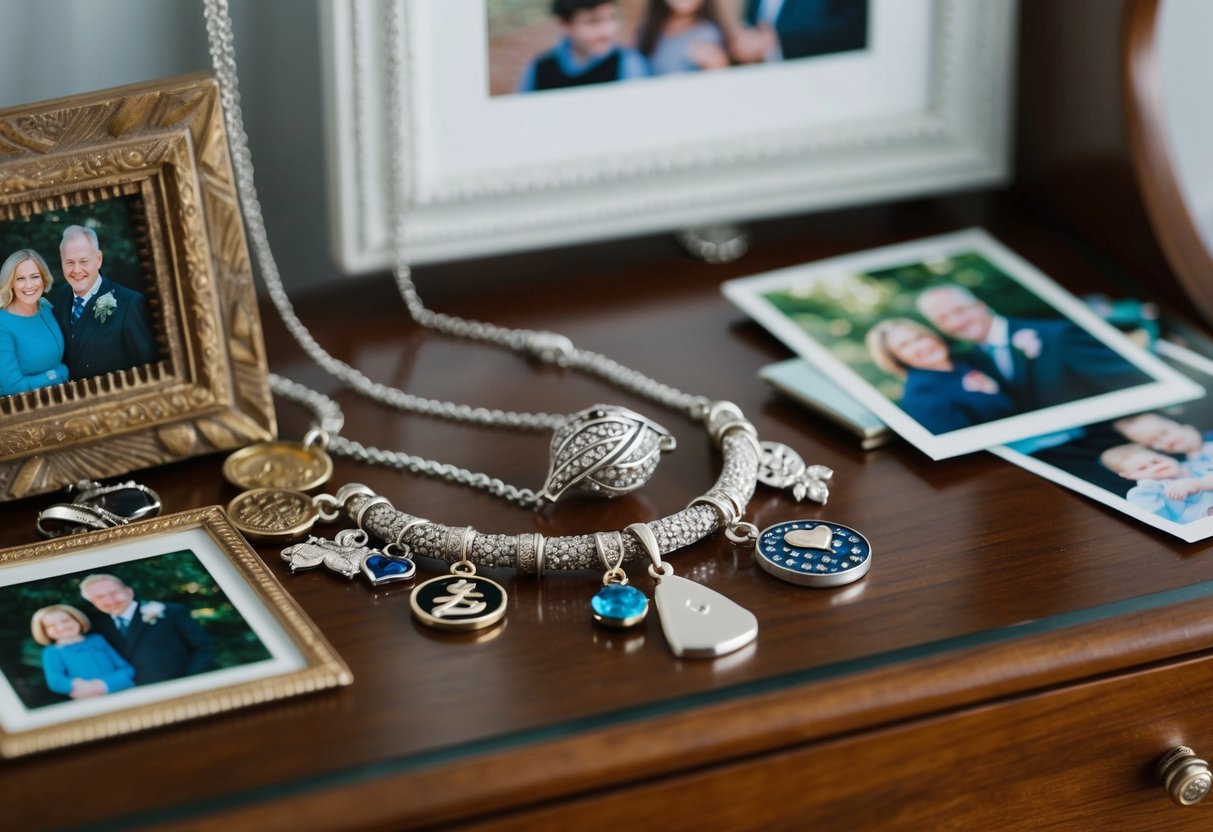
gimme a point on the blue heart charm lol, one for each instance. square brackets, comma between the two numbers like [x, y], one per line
[385, 569]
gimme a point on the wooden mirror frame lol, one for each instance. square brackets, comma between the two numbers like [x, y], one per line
[1153, 157]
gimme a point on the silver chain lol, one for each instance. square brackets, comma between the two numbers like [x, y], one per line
[330, 420]
[546, 347]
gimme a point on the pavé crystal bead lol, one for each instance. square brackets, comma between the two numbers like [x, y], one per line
[604, 450]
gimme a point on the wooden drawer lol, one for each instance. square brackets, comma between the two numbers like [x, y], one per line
[1078, 758]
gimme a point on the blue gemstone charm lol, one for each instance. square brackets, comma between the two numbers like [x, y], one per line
[385, 569]
[814, 553]
[619, 605]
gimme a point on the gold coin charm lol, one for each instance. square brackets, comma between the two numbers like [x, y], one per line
[273, 515]
[281, 465]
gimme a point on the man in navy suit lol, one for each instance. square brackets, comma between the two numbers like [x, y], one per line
[1045, 362]
[787, 29]
[106, 327]
[160, 640]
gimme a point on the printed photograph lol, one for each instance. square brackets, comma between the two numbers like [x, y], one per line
[537, 45]
[100, 633]
[76, 296]
[958, 344]
[1156, 466]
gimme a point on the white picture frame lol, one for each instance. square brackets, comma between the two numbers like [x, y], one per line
[924, 109]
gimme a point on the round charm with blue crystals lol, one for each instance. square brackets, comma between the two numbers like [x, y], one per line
[619, 606]
[814, 553]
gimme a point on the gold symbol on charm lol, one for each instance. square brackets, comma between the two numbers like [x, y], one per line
[463, 600]
[816, 538]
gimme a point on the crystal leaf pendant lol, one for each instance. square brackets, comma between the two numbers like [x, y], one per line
[604, 450]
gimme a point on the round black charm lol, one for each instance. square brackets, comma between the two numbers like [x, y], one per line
[813, 553]
[459, 602]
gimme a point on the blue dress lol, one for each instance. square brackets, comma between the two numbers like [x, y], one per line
[939, 401]
[92, 658]
[672, 54]
[31, 350]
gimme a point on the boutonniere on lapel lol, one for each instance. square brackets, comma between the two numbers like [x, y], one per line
[1027, 341]
[105, 306]
[151, 612]
[976, 381]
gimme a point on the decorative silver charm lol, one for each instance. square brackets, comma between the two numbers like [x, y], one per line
[344, 554]
[604, 450]
[814, 553]
[461, 601]
[129, 499]
[781, 467]
[96, 506]
[698, 622]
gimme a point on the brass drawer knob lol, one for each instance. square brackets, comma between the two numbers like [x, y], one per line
[1185, 776]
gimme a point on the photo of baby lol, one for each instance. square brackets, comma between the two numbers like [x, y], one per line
[1156, 465]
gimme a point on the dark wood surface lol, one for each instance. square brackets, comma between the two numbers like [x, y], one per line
[548, 707]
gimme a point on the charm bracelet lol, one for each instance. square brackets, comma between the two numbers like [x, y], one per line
[605, 450]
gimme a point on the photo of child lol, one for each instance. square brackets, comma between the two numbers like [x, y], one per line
[537, 45]
[588, 52]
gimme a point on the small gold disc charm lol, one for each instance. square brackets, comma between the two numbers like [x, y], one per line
[273, 515]
[460, 602]
[281, 465]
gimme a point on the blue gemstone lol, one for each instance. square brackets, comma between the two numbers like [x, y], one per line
[381, 566]
[619, 606]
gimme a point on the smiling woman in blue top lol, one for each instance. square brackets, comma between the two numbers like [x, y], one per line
[589, 52]
[942, 391]
[77, 663]
[31, 343]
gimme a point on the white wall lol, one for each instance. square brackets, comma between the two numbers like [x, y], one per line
[63, 47]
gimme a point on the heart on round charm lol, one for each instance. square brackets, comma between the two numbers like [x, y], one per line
[813, 553]
[385, 569]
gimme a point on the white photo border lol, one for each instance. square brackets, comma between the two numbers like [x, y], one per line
[1169, 387]
[300, 660]
[661, 167]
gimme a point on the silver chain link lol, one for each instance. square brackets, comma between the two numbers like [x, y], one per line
[329, 418]
[543, 346]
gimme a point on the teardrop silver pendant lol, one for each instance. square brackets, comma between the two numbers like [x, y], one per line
[698, 622]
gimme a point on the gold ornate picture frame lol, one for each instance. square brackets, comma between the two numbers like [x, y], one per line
[155, 157]
[209, 629]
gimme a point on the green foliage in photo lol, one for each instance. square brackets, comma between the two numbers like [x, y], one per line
[175, 577]
[110, 218]
[838, 310]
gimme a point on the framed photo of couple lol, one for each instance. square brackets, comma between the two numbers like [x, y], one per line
[142, 625]
[959, 345]
[530, 123]
[129, 330]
